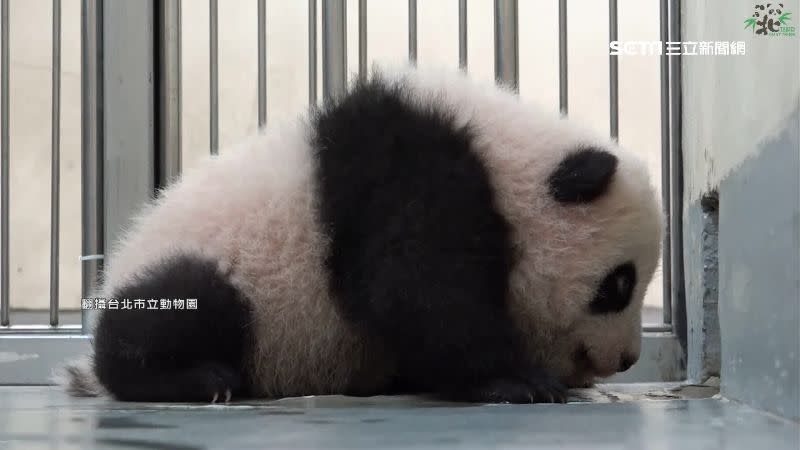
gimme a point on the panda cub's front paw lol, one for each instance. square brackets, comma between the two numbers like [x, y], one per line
[534, 387]
[547, 387]
[512, 390]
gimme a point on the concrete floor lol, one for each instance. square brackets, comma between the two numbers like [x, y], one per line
[622, 416]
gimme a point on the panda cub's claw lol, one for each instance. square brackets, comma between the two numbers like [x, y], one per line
[532, 389]
[546, 386]
[226, 399]
[513, 391]
[519, 391]
[552, 392]
[218, 381]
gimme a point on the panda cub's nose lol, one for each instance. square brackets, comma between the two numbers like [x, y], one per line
[626, 362]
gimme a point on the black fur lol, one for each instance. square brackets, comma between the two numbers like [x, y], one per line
[583, 176]
[420, 256]
[615, 292]
[173, 354]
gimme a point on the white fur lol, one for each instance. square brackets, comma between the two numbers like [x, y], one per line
[253, 210]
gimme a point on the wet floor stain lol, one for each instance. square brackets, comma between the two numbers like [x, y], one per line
[115, 444]
[319, 421]
[127, 423]
[376, 420]
[280, 412]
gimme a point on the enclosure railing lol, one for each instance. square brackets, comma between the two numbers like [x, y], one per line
[4, 160]
[334, 76]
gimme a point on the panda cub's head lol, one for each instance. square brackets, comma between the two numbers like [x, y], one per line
[603, 250]
[586, 225]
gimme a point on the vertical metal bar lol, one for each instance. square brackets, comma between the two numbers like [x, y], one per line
[412, 31]
[666, 261]
[169, 83]
[55, 165]
[262, 63]
[563, 82]
[312, 52]
[213, 52]
[130, 112]
[676, 180]
[362, 38]
[92, 239]
[613, 72]
[4, 150]
[506, 42]
[462, 34]
[334, 47]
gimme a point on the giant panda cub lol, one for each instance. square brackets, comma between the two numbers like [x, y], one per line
[423, 233]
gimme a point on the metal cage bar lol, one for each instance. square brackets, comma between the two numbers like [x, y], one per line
[506, 42]
[129, 112]
[666, 261]
[55, 166]
[213, 78]
[334, 47]
[412, 31]
[362, 38]
[563, 82]
[262, 63]
[613, 73]
[92, 183]
[462, 34]
[678, 306]
[169, 90]
[312, 52]
[4, 176]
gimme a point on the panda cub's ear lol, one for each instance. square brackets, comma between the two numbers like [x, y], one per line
[583, 176]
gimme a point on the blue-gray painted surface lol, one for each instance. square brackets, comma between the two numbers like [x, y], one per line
[759, 285]
[34, 358]
[42, 418]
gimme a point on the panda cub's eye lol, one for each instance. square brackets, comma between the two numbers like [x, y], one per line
[615, 291]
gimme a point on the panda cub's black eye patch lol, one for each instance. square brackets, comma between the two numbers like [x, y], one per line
[615, 292]
[583, 176]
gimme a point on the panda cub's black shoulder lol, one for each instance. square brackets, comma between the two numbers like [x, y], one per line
[420, 255]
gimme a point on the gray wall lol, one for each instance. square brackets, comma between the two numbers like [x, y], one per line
[741, 117]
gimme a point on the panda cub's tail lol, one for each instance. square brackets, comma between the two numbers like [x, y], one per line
[78, 379]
